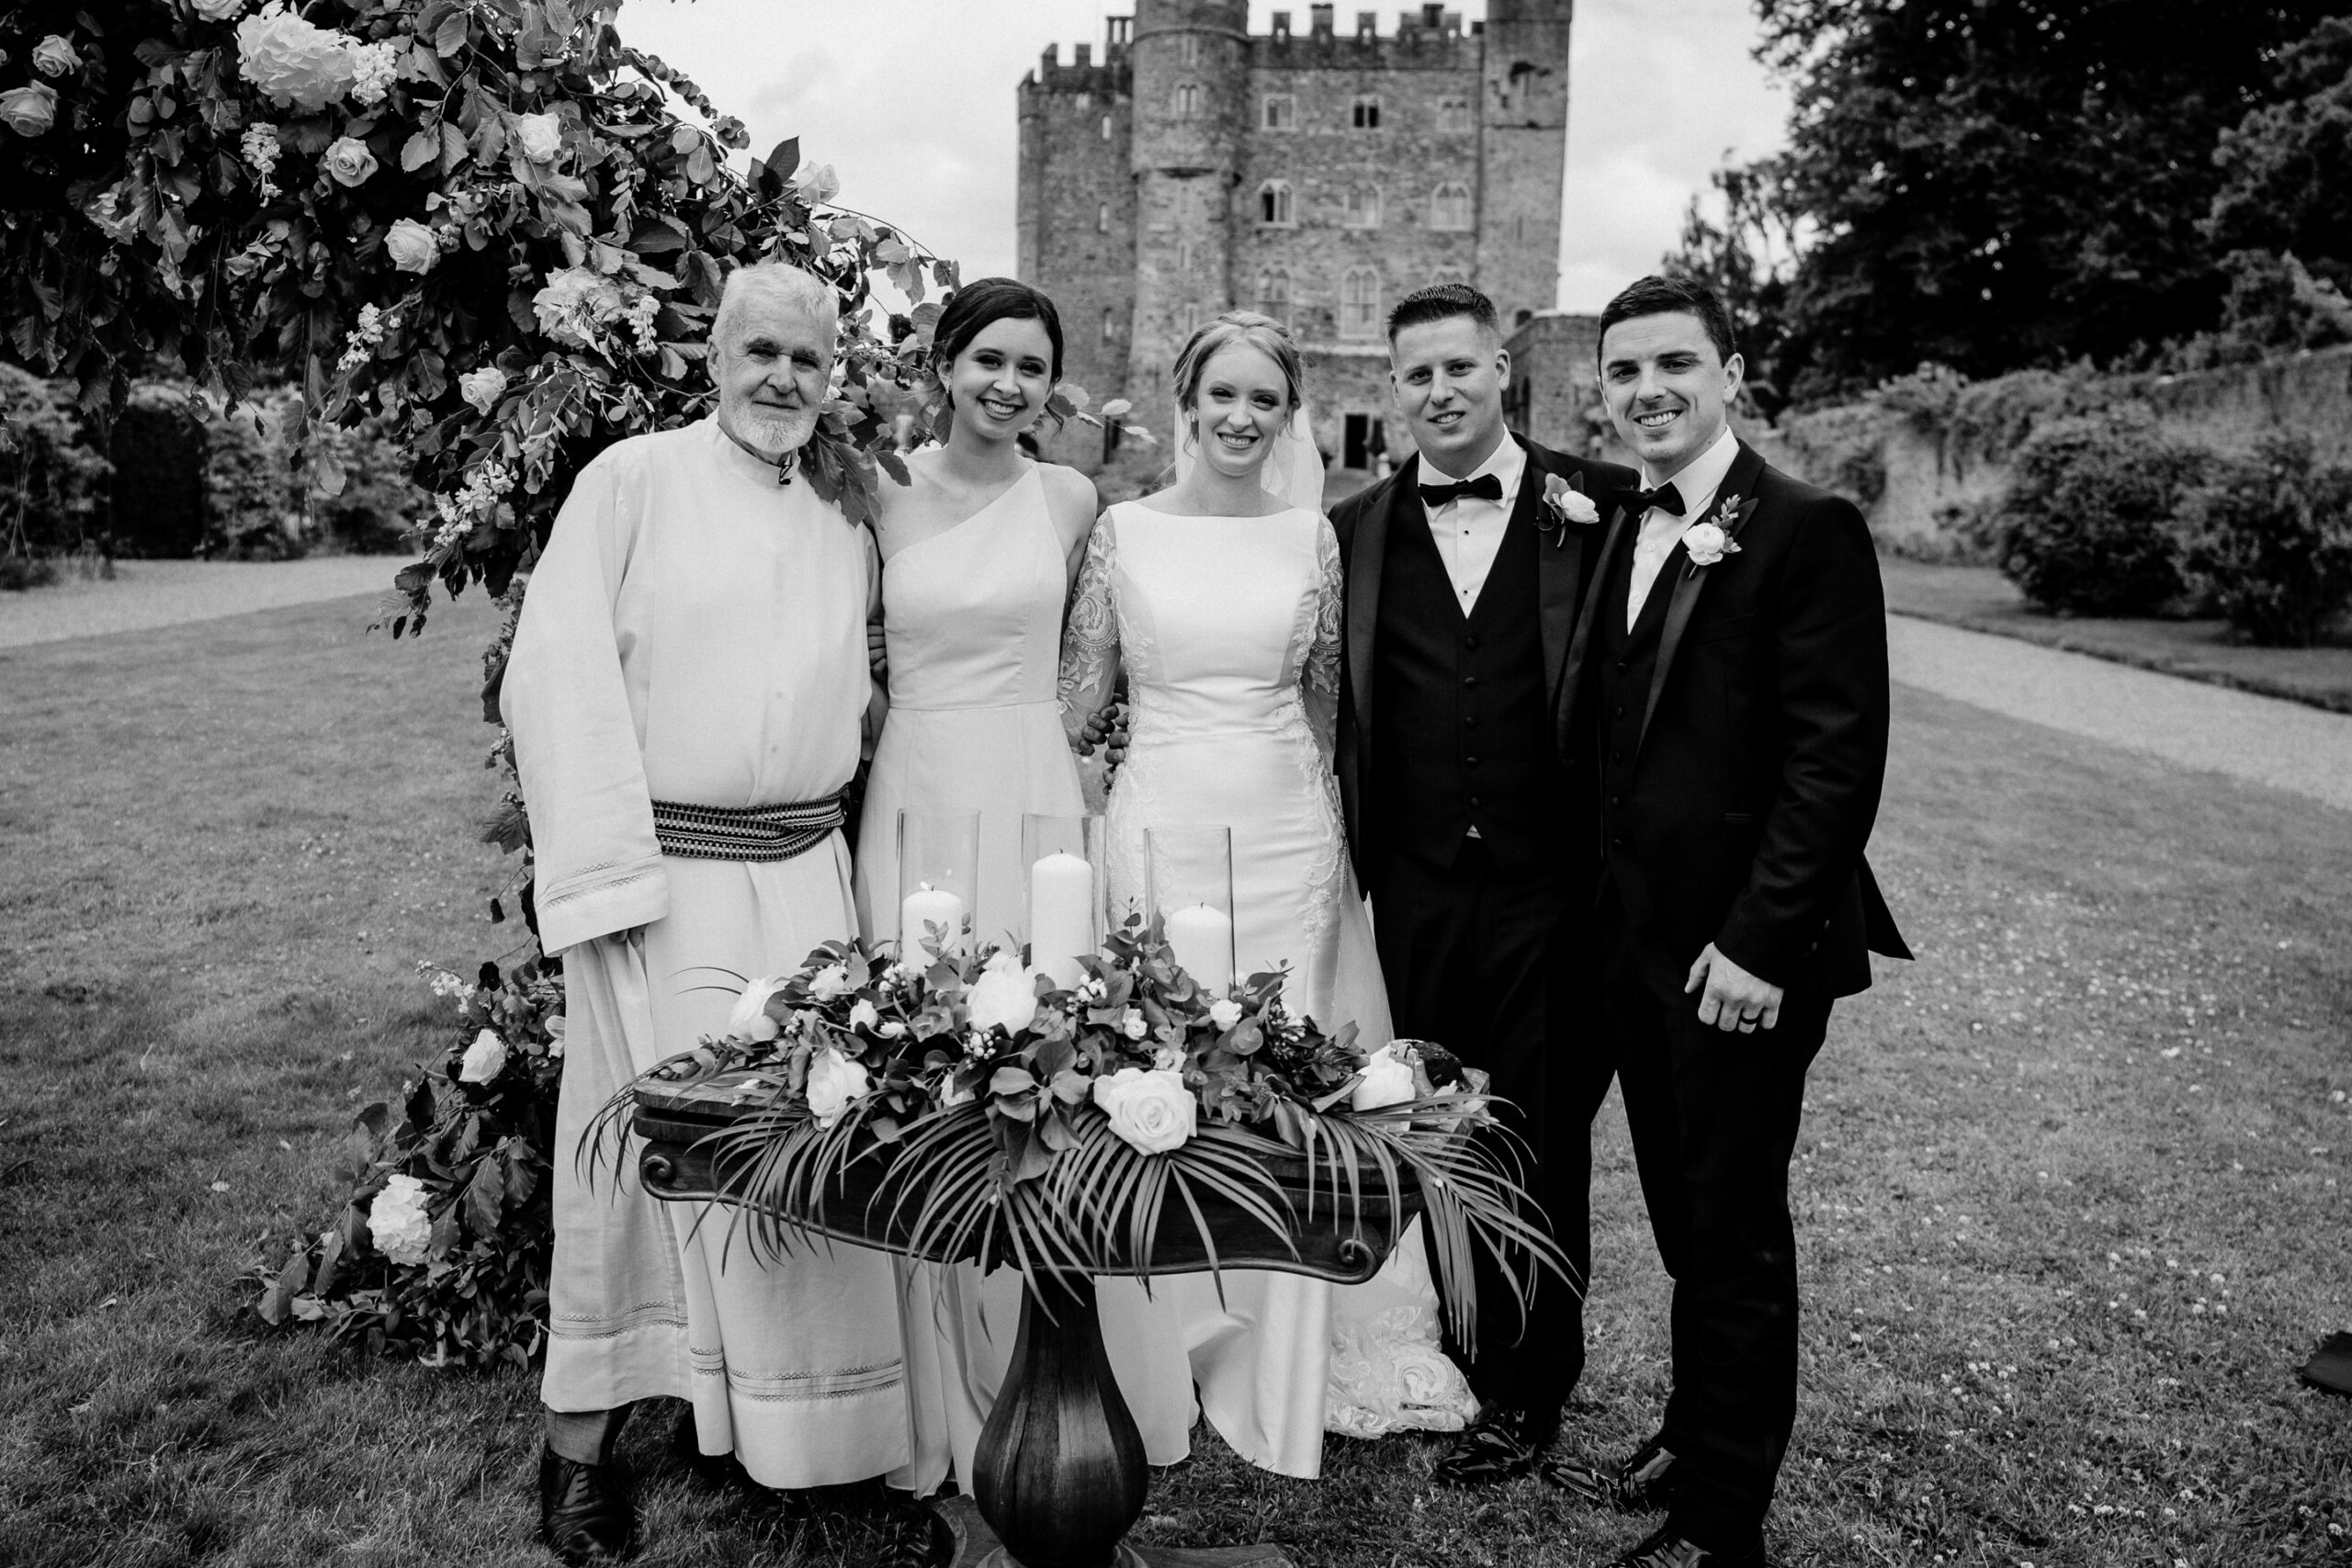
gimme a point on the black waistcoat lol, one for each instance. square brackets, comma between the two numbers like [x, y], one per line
[1623, 664]
[1461, 724]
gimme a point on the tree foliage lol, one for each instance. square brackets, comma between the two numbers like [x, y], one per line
[481, 223]
[1747, 259]
[2287, 168]
[1995, 184]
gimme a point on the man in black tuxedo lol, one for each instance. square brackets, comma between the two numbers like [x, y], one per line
[1463, 584]
[1726, 733]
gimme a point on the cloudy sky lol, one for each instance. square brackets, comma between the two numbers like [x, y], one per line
[912, 102]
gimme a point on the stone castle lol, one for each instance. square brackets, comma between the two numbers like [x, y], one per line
[1315, 174]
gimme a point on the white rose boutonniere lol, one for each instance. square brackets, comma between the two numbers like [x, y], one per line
[1707, 543]
[1150, 1110]
[1565, 504]
[1005, 996]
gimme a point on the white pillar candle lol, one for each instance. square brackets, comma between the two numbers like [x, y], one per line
[1202, 940]
[1061, 915]
[928, 905]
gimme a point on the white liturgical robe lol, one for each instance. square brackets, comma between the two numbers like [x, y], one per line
[695, 633]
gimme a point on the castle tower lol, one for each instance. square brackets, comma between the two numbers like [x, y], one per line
[1524, 132]
[1191, 93]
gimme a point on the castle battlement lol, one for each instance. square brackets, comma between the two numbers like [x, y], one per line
[1313, 172]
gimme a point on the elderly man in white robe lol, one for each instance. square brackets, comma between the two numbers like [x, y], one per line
[686, 691]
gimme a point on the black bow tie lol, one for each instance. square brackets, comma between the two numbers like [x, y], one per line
[1666, 498]
[1486, 487]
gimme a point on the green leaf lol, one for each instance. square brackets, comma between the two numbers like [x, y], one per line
[450, 36]
[420, 150]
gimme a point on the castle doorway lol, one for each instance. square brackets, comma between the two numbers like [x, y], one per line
[1366, 440]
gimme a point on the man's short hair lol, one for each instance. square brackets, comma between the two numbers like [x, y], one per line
[1655, 295]
[777, 280]
[1443, 301]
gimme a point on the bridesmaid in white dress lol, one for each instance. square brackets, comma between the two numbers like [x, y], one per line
[977, 554]
[1221, 599]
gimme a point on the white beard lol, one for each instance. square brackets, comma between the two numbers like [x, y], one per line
[772, 433]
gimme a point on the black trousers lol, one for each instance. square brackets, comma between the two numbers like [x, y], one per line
[1486, 960]
[1713, 1118]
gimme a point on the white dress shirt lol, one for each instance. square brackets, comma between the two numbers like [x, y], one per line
[1698, 480]
[1468, 531]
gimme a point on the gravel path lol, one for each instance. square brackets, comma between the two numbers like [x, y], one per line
[2284, 745]
[147, 593]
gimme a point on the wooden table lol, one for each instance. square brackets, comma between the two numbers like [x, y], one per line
[1059, 1476]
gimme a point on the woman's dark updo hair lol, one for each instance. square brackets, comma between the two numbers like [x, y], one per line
[971, 309]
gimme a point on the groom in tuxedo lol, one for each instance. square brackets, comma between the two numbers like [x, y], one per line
[1726, 733]
[1464, 575]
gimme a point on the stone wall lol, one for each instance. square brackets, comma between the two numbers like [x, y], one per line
[1077, 213]
[1919, 481]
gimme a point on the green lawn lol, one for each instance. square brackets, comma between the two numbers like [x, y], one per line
[2029, 1157]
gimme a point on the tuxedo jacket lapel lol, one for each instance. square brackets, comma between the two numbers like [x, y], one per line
[1580, 643]
[1688, 584]
[1367, 554]
[1559, 569]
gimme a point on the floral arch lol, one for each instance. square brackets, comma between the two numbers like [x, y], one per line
[481, 224]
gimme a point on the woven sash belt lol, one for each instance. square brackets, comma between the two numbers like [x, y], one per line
[748, 832]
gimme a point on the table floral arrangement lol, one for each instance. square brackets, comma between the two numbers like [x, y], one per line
[1025, 1124]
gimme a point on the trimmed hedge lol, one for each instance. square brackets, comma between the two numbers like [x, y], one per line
[2087, 526]
[2269, 540]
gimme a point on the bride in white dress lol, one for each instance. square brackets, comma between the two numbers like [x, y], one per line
[1220, 597]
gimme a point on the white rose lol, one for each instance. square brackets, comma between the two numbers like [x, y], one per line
[1005, 996]
[555, 1036]
[219, 10]
[483, 388]
[1706, 544]
[834, 1084]
[817, 184]
[1152, 1111]
[893, 1029]
[541, 136]
[54, 56]
[864, 1015]
[1132, 1024]
[750, 1020]
[829, 982]
[1169, 1059]
[397, 1221]
[1224, 1012]
[485, 1058]
[349, 161]
[412, 247]
[1386, 1079]
[29, 110]
[292, 61]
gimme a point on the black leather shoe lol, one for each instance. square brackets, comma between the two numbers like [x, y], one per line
[1643, 1485]
[584, 1513]
[1501, 1444]
[1668, 1550]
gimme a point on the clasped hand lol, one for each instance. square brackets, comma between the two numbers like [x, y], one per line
[1106, 727]
[1731, 997]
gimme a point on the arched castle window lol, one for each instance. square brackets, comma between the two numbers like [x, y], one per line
[1360, 303]
[1102, 218]
[1188, 99]
[1274, 203]
[1110, 327]
[1107, 128]
[1274, 294]
[1363, 207]
[1281, 112]
[1189, 49]
[1453, 115]
[1366, 113]
[1184, 257]
[1450, 207]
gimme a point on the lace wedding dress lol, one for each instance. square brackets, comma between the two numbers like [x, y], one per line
[1228, 631]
